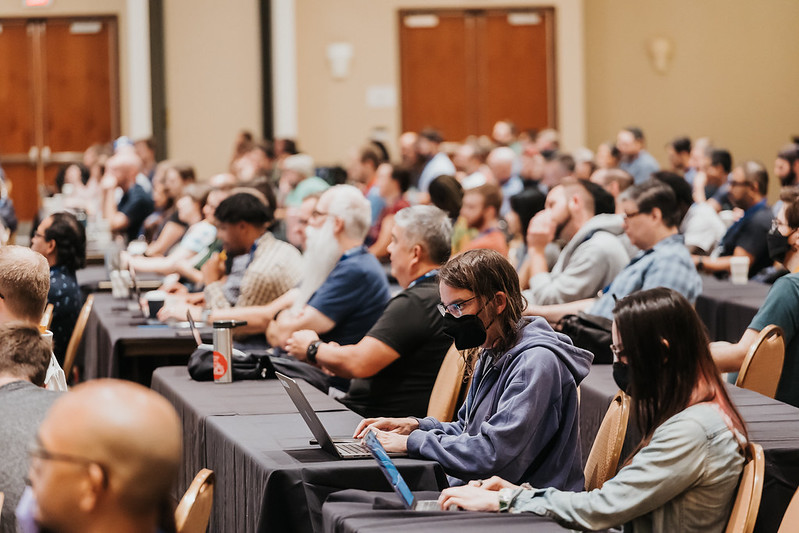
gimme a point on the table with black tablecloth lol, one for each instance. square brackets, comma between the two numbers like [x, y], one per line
[771, 424]
[727, 309]
[269, 476]
[118, 344]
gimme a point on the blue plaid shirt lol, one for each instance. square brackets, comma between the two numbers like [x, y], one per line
[667, 264]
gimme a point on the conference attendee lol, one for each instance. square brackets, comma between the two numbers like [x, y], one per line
[480, 212]
[523, 207]
[344, 289]
[177, 176]
[263, 267]
[24, 284]
[635, 160]
[145, 149]
[501, 162]
[613, 180]
[61, 239]
[520, 417]
[24, 358]
[392, 182]
[125, 216]
[679, 152]
[105, 459]
[786, 166]
[711, 185]
[394, 366]
[747, 236]
[651, 221]
[607, 155]
[297, 180]
[701, 227]
[436, 163]
[470, 164]
[780, 307]
[684, 473]
[593, 256]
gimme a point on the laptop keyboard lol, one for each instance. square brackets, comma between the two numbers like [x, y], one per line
[352, 450]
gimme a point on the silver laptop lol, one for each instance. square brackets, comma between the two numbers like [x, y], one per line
[394, 478]
[341, 448]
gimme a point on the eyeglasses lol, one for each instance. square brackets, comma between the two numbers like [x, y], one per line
[627, 216]
[776, 224]
[38, 234]
[734, 183]
[617, 351]
[38, 453]
[455, 309]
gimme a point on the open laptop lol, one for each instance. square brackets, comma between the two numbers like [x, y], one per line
[395, 479]
[341, 448]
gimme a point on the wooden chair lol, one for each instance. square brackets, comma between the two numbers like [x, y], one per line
[77, 335]
[790, 520]
[194, 509]
[750, 488]
[47, 318]
[603, 461]
[447, 388]
[762, 367]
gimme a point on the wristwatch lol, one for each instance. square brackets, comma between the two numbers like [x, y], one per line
[310, 353]
[700, 264]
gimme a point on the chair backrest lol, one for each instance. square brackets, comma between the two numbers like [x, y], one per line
[762, 366]
[77, 335]
[790, 520]
[447, 388]
[750, 488]
[194, 509]
[47, 317]
[603, 461]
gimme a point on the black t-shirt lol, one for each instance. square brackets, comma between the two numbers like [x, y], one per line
[750, 234]
[413, 327]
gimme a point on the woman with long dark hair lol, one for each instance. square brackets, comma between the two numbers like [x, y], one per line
[520, 416]
[684, 473]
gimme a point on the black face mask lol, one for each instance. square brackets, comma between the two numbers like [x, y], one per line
[621, 375]
[468, 331]
[777, 244]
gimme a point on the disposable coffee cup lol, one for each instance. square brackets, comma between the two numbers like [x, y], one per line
[739, 270]
[155, 301]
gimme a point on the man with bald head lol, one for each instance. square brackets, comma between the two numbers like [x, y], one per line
[127, 215]
[105, 459]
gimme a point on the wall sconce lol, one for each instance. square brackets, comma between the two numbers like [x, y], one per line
[339, 56]
[661, 50]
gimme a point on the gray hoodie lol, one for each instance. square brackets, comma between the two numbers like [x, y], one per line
[520, 419]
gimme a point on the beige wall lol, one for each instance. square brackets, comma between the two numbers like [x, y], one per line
[734, 74]
[213, 78]
[333, 115]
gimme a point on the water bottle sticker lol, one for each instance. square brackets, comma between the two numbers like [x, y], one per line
[220, 365]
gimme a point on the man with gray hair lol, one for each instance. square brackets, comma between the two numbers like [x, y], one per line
[344, 289]
[297, 180]
[502, 161]
[393, 368]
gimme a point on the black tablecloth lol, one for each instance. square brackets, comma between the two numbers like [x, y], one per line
[270, 479]
[771, 424]
[112, 338]
[727, 309]
[195, 401]
[351, 517]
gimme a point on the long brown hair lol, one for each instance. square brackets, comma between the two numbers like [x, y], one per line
[668, 351]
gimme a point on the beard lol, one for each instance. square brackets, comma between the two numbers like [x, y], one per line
[322, 252]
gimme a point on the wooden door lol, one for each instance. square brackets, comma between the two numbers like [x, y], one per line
[63, 100]
[461, 71]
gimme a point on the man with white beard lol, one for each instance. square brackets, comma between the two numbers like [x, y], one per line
[344, 289]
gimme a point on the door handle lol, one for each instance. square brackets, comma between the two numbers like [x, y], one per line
[33, 154]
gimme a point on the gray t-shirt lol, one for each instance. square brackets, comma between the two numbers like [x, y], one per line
[22, 408]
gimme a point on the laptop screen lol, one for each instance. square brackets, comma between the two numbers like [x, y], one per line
[389, 469]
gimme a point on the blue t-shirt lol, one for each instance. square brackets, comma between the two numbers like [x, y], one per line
[353, 296]
[137, 205]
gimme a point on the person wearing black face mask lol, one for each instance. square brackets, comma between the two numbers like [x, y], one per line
[520, 416]
[781, 306]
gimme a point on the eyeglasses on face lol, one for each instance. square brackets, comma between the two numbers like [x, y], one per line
[455, 308]
[38, 453]
[628, 216]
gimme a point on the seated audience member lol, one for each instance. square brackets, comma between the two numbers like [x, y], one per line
[394, 366]
[362, 172]
[651, 218]
[470, 164]
[635, 160]
[391, 185]
[61, 239]
[781, 304]
[163, 206]
[520, 419]
[747, 236]
[24, 283]
[557, 167]
[297, 220]
[501, 162]
[593, 255]
[344, 289]
[263, 268]
[701, 226]
[711, 185]
[24, 358]
[105, 459]
[679, 152]
[297, 180]
[480, 211]
[127, 215]
[523, 207]
[176, 178]
[447, 194]
[786, 167]
[684, 474]
[434, 163]
[613, 180]
[607, 156]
